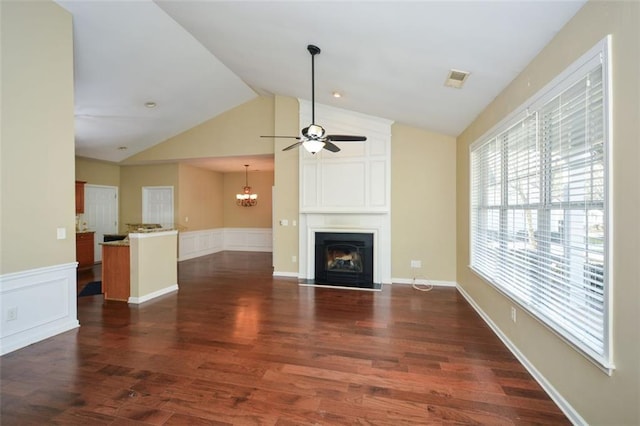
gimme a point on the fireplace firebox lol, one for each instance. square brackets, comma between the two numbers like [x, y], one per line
[344, 259]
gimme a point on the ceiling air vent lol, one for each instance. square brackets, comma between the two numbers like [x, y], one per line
[456, 78]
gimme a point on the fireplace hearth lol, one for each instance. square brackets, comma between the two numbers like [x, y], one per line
[344, 259]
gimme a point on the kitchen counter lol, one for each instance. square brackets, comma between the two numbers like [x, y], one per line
[114, 237]
[117, 243]
[141, 267]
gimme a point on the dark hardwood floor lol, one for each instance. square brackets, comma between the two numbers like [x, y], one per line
[236, 346]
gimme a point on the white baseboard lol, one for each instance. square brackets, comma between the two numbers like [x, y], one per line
[150, 296]
[564, 405]
[44, 301]
[285, 274]
[424, 282]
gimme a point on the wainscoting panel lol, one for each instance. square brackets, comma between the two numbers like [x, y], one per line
[354, 180]
[248, 239]
[193, 244]
[343, 185]
[42, 303]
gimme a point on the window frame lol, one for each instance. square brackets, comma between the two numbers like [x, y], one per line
[578, 70]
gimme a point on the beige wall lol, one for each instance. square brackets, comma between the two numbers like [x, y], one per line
[258, 216]
[423, 204]
[133, 178]
[235, 132]
[153, 263]
[598, 398]
[200, 200]
[285, 195]
[97, 172]
[37, 136]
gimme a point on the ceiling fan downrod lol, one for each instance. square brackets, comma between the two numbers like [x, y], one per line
[313, 137]
[314, 50]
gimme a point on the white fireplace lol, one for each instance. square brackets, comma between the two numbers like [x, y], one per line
[347, 191]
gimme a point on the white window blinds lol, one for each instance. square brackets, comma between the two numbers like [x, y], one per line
[538, 208]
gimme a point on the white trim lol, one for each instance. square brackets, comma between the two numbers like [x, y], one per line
[153, 295]
[562, 403]
[45, 300]
[152, 234]
[378, 225]
[285, 274]
[423, 281]
[610, 209]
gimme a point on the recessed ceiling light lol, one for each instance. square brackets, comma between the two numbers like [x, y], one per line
[150, 104]
[456, 78]
[337, 95]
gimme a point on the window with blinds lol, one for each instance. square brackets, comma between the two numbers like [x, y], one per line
[539, 206]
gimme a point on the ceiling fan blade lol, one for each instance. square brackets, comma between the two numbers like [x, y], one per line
[292, 146]
[346, 138]
[287, 137]
[330, 147]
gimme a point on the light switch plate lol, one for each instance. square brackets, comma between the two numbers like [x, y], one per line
[62, 233]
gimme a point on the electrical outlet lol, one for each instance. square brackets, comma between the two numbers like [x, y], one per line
[294, 259]
[416, 264]
[513, 314]
[12, 314]
[61, 233]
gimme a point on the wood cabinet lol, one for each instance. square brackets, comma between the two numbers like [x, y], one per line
[84, 249]
[115, 272]
[80, 196]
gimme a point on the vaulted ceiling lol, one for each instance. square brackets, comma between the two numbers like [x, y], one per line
[197, 59]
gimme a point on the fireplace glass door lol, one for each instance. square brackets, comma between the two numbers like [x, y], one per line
[344, 258]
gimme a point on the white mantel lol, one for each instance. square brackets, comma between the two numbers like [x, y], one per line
[347, 191]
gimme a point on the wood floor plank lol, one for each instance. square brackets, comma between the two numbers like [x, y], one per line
[235, 346]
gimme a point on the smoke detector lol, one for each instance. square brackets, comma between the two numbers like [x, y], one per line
[456, 78]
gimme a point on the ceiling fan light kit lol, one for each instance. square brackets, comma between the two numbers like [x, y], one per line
[313, 146]
[313, 137]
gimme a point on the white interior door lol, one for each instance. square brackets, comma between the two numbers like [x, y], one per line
[157, 205]
[101, 213]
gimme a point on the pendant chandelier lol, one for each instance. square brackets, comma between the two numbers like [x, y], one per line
[246, 198]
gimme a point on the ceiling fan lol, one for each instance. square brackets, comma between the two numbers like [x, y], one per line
[313, 137]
